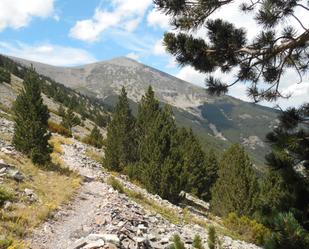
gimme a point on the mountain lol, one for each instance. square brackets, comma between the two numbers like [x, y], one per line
[218, 121]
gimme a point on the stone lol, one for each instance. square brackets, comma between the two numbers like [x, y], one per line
[111, 238]
[78, 244]
[95, 244]
[30, 194]
[151, 237]
[7, 151]
[16, 175]
[110, 246]
[7, 205]
[140, 239]
[100, 221]
[3, 164]
[94, 237]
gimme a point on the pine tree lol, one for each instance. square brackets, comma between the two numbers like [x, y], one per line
[264, 59]
[5, 76]
[236, 188]
[61, 111]
[31, 121]
[194, 174]
[290, 150]
[288, 234]
[121, 136]
[212, 168]
[69, 120]
[274, 197]
[148, 110]
[95, 138]
[156, 148]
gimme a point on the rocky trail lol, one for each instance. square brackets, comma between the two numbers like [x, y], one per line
[100, 217]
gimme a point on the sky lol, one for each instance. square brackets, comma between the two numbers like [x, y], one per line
[77, 32]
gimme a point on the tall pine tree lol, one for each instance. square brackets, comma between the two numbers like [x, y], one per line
[121, 136]
[236, 188]
[31, 121]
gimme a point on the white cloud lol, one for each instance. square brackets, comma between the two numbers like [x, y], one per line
[156, 18]
[18, 13]
[47, 53]
[159, 49]
[299, 91]
[189, 74]
[133, 56]
[125, 15]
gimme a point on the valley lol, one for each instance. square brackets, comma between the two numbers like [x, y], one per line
[218, 121]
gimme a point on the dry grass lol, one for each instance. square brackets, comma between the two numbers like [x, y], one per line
[52, 189]
[57, 142]
[94, 155]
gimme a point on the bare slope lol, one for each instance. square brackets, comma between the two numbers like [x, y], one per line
[218, 121]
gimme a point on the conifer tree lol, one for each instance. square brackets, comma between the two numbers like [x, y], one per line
[212, 168]
[5, 76]
[236, 188]
[121, 136]
[61, 111]
[69, 120]
[31, 121]
[263, 59]
[274, 197]
[148, 109]
[156, 149]
[194, 174]
[290, 150]
[95, 138]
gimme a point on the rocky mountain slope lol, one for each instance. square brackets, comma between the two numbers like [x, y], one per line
[101, 217]
[218, 121]
[77, 205]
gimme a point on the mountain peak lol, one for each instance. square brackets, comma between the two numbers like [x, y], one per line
[123, 61]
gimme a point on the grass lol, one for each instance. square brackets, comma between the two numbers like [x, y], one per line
[5, 195]
[94, 155]
[52, 189]
[56, 142]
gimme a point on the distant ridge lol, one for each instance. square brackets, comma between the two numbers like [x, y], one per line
[218, 121]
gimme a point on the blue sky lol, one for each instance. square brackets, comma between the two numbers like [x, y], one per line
[75, 32]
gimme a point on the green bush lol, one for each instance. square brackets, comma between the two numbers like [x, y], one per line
[5, 76]
[288, 234]
[57, 128]
[177, 243]
[212, 237]
[115, 184]
[249, 230]
[5, 195]
[197, 242]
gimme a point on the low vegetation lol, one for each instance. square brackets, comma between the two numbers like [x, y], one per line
[94, 155]
[249, 230]
[5, 195]
[5, 75]
[58, 128]
[51, 189]
[95, 138]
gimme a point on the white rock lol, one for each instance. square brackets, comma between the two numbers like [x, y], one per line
[112, 238]
[96, 244]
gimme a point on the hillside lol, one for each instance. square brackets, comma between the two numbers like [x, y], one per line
[218, 121]
[79, 204]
